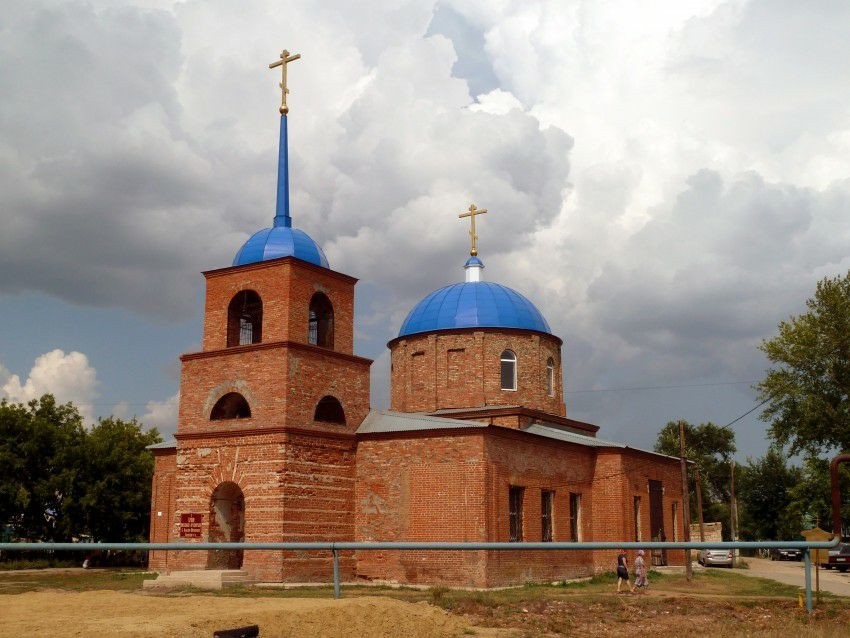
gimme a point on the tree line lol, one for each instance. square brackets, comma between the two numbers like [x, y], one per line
[806, 394]
[61, 481]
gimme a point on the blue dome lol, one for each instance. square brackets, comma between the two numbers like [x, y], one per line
[473, 304]
[280, 241]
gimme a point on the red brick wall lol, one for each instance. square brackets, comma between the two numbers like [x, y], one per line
[281, 382]
[421, 487]
[297, 487]
[296, 474]
[454, 485]
[318, 504]
[537, 464]
[641, 468]
[283, 377]
[461, 368]
[315, 373]
[162, 505]
[286, 287]
[622, 475]
[304, 480]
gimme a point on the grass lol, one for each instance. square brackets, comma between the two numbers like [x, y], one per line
[711, 582]
[721, 582]
[76, 580]
[609, 579]
[41, 563]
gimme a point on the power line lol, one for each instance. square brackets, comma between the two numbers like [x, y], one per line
[661, 387]
[747, 412]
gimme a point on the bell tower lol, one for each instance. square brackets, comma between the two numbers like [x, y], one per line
[269, 406]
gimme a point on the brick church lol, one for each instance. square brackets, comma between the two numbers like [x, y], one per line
[276, 440]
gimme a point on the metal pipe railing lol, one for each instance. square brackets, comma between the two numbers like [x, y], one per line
[336, 547]
[413, 545]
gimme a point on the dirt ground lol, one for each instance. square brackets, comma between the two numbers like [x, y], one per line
[718, 603]
[133, 615]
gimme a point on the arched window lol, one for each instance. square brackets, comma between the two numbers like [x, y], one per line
[231, 406]
[329, 410]
[550, 377]
[321, 326]
[508, 370]
[244, 319]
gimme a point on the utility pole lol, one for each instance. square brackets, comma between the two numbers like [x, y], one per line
[686, 497]
[733, 518]
[699, 504]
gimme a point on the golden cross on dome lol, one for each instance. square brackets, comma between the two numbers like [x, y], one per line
[285, 59]
[473, 211]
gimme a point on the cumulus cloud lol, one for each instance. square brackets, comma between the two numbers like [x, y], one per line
[162, 415]
[715, 271]
[665, 180]
[68, 377]
[100, 190]
[165, 164]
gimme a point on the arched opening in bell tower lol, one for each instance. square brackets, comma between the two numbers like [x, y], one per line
[244, 319]
[231, 406]
[321, 321]
[329, 410]
[227, 525]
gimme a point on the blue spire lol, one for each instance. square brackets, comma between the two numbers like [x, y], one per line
[282, 217]
[281, 240]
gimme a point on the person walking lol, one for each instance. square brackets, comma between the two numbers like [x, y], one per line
[641, 579]
[623, 571]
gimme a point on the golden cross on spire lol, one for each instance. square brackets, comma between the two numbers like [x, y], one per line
[285, 59]
[473, 211]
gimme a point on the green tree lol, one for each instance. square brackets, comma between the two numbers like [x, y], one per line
[810, 499]
[764, 495]
[42, 443]
[710, 447]
[59, 480]
[117, 494]
[14, 497]
[808, 390]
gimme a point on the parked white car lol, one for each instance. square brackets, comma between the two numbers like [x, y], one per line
[710, 557]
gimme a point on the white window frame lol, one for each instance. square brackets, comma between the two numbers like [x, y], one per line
[550, 377]
[575, 515]
[512, 358]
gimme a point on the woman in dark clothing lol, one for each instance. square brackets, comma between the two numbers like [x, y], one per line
[623, 571]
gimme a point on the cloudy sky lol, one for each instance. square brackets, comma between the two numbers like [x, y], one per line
[666, 181]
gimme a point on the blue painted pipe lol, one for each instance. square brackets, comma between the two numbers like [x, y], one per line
[335, 548]
[388, 545]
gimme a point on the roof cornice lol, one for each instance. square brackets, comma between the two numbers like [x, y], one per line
[490, 329]
[271, 345]
[513, 410]
[271, 263]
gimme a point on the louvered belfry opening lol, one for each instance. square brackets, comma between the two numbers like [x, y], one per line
[321, 326]
[244, 319]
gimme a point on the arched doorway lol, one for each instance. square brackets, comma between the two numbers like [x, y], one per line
[227, 525]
